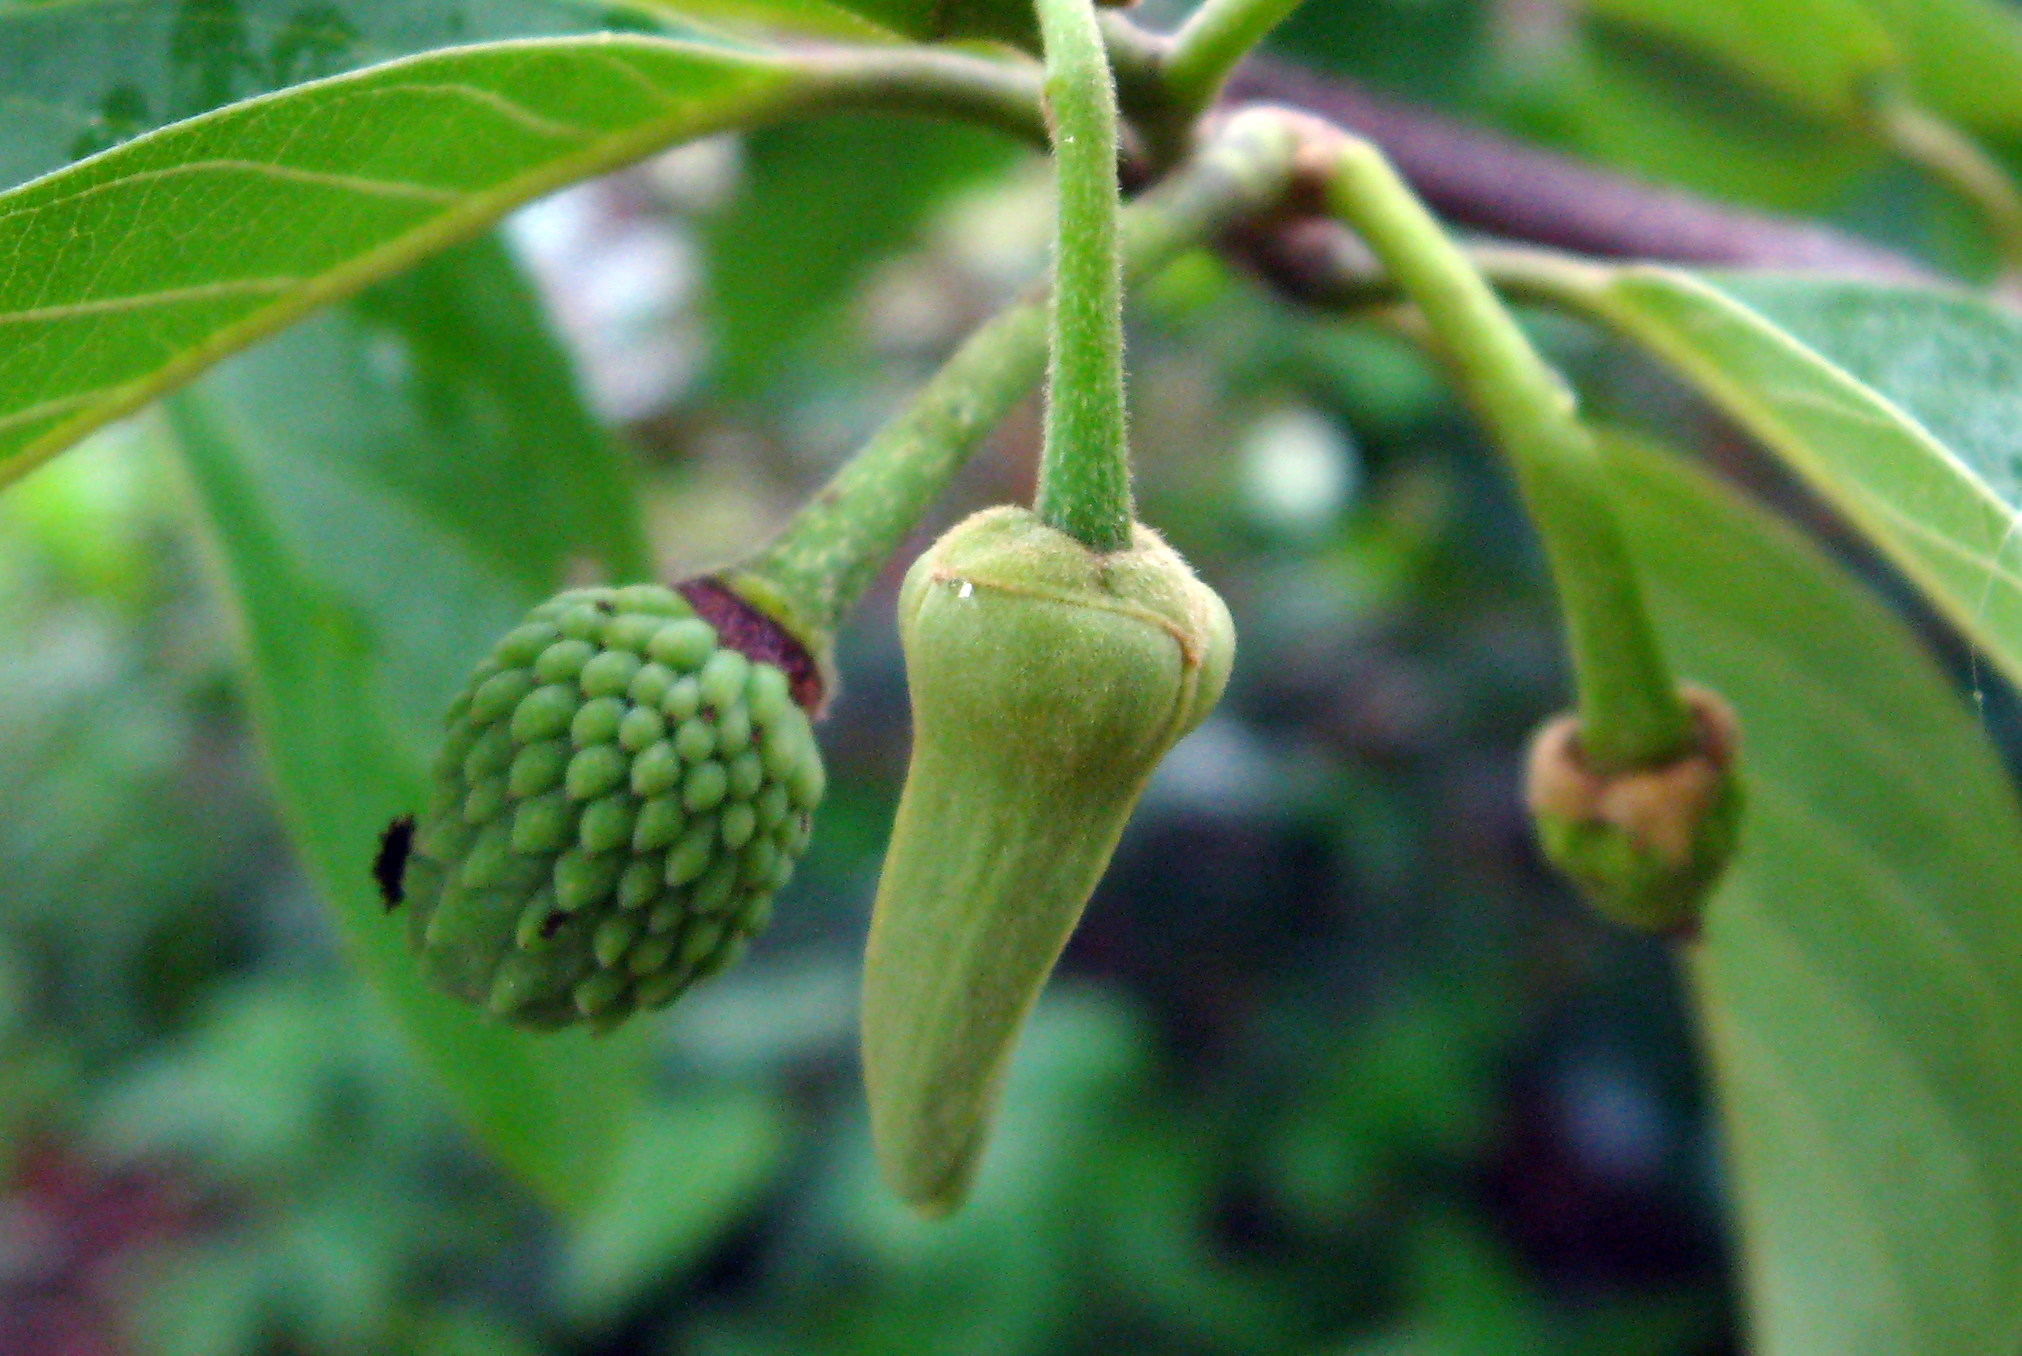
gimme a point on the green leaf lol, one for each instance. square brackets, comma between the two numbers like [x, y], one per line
[785, 255]
[130, 272]
[688, 1172]
[1012, 21]
[1964, 56]
[798, 18]
[390, 486]
[1900, 405]
[1859, 979]
[83, 75]
[1819, 54]
[1643, 109]
[1008, 21]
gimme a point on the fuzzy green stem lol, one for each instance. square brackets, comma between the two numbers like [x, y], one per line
[1084, 468]
[1629, 710]
[991, 92]
[1214, 38]
[829, 553]
[1948, 155]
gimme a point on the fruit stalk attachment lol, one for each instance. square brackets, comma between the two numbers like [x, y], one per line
[1644, 845]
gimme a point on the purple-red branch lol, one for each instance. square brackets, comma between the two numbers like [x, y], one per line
[1491, 183]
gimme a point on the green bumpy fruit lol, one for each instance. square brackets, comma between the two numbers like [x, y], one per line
[618, 798]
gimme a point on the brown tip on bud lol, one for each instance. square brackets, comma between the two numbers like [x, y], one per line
[745, 628]
[1645, 844]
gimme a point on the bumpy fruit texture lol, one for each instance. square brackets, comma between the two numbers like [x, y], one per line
[1047, 682]
[617, 800]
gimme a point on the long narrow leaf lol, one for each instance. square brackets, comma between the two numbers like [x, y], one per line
[130, 272]
[1860, 976]
[1900, 405]
[390, 486]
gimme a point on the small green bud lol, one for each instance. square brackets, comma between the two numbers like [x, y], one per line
[571, 847]
[655, 769]
[641, 727]
[722, 679]
[698, 939]
[630, 633]
[594, 771]
[1047, 682]
[690, 857]
[704, 787]
[660, 822]
[640, 884]
[607, 823]
[562, 661]
[649, 685]
[580, 621]
[597, 721]
[683, 647]
[766, 694]
[651, 956]
[716, 887]
[491, 752]
[613, 937]
[1644, 845]
[583, 878]
[694, 741]
[737, 824]
[536, 767]
[747, 775]
[611, 672]
[544, 824]
[544, 713]
[486, 799]
[499, 694]
[524, 643]
[683, 700]
[733, 729]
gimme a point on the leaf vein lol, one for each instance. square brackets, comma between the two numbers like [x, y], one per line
[169, 296]
[357, 183]
[510, 109]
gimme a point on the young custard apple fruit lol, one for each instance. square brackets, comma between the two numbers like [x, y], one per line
[619, 796]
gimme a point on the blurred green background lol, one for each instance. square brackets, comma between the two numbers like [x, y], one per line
[1333, 1065]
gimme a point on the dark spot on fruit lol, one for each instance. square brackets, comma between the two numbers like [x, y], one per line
[606, 606]
[552, 924]
[391, 863]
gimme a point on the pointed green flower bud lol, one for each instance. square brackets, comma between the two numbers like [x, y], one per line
[1645, 845]
[541, 884]
[1047, 682]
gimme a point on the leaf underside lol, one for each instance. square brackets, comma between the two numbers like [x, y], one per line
[1901, 406]
[390, 486]
[1859, 981]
